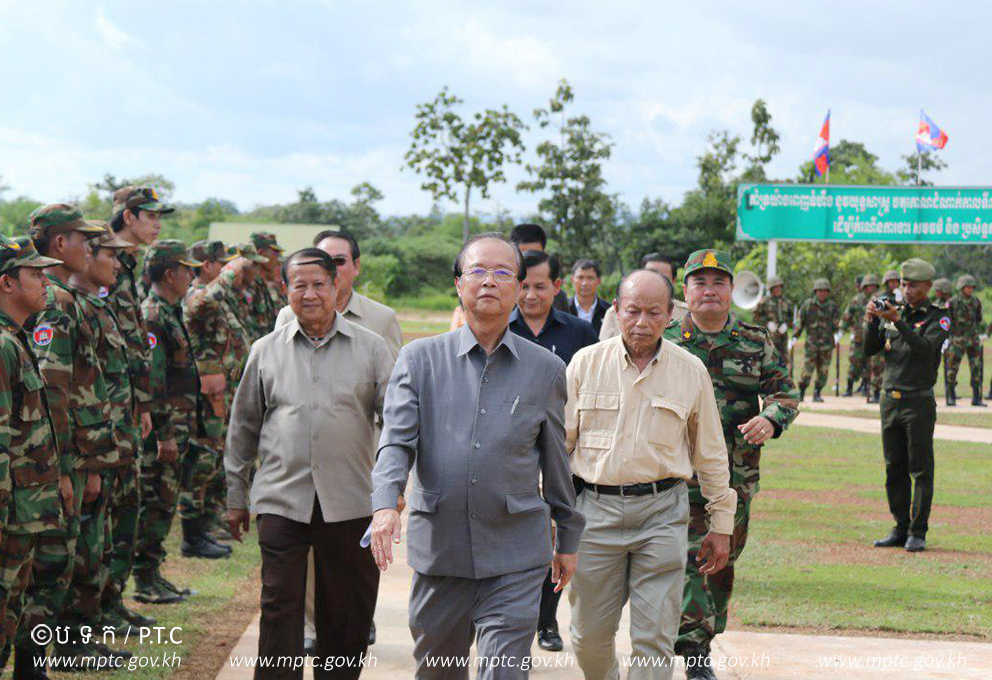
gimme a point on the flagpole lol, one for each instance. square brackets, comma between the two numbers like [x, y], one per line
[919, 162]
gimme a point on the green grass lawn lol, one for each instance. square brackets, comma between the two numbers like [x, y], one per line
[809, 561]
[944, 418]
[964, 373]
[209, 622]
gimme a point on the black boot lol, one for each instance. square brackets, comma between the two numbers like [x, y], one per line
[976, 396]
[802, 392]
[895, 539]
[873, 398]
[697, 663]
[989, 395]
[816, 396]
[952, 399]
[28, 662]
[195, 543]
[850, 389]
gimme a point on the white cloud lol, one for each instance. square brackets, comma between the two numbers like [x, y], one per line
[112, 36]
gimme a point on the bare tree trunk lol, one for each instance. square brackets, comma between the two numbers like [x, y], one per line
[465, 219]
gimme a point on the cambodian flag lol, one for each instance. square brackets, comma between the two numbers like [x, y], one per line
[821, 154]
[929, 137]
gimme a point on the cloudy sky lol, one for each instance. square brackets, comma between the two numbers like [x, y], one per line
[252, 100]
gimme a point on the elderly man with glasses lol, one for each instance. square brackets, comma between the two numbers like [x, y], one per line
[478, 415]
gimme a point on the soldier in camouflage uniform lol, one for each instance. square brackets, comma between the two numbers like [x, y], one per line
[967, 337]
[66, 581]
[175, 386]
[124, 497]
[819, 316]
[221, 340]
[244, 300]
[746, 369]
[210, 341]
[942, 292]
[268, 292]
[876, 363]
[32, 498]
[774, 312]
[853, 320]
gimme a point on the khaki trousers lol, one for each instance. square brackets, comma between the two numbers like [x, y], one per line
[633, 548]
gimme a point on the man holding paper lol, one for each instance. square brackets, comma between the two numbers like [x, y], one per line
[478, 415]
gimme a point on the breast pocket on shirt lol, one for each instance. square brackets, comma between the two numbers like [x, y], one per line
[598, 416]
[668, 418]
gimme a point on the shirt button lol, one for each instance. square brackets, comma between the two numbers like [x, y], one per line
[314, 438]
[314, 406]
[475, 515]
[478, 445]
[315, 378]
[475, 480]
[483, 411]
[485, 379]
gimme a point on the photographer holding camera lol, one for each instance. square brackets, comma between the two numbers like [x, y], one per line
[910, 336]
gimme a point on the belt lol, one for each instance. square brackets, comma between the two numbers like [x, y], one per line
[909, 394]
[642, 489]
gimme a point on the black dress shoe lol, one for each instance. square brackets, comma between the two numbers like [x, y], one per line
[698, 665]
[309, 646]
[893, 540]
[916, 544]
[548, 638]
[372, 634]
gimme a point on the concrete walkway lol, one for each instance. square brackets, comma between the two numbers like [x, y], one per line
[744, 655]
[959, 433]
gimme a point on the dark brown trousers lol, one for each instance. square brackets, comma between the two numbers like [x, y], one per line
[347, 583]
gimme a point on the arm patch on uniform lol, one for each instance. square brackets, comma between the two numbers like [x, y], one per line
[945, 323]
[43, 335]
[152, 340]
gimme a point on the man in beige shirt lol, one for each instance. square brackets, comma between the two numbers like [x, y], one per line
[360, 310]
[656, 262]
[641, 418]
[306, 410]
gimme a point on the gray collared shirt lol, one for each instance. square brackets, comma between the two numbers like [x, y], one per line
[484, 437]
[306, 412]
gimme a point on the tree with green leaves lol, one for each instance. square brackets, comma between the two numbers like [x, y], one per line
[577, 207]
[457, 155]
[928, 162]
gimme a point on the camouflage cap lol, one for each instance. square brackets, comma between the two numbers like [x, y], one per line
[265, 239]
[869, 280]
[20, 252]
[58, 218]
[210, 251]
[708, 259]
[943, 285]
[775, 281]
[915, 269]
[966, 280]
[822, 284]
[108, 239]
[247, 251]
[168, 252]
[891, 275]
[143, 198]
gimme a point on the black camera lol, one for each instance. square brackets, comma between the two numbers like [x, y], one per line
[881, 303]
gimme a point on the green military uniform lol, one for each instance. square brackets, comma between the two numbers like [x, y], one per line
[820, 320]
[876, 363]
[853, 319]
[776, 314]
[124, 495]
[66, 583]
[210, 339]
[245, 300]
[267, 296]
[908, 412]
[965, 312]
[30, 503]
[175, 386]
[943, 290]
[746, 369]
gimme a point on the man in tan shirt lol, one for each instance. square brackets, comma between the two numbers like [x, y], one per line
[641, 418]
[656, 262]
